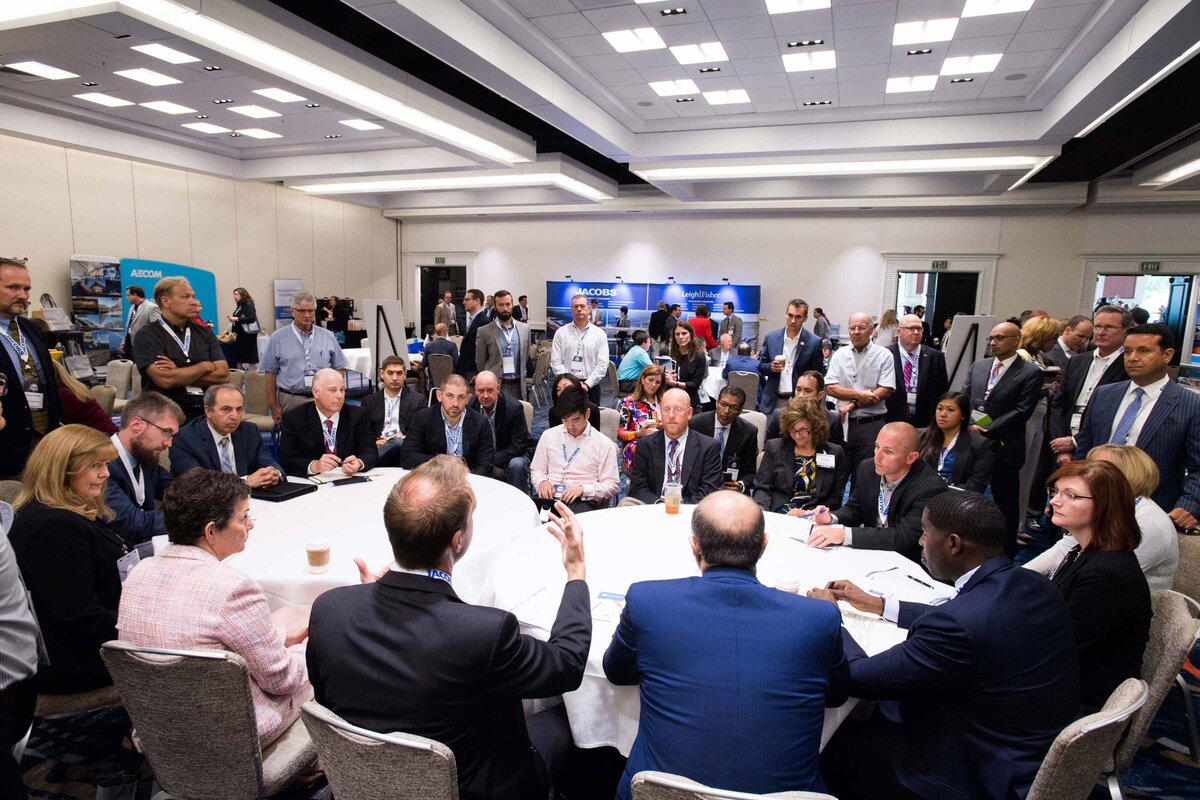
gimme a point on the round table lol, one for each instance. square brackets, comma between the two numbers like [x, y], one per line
[351, 517]
[630, 544]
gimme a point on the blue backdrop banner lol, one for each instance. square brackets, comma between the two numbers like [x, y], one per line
[147, 273]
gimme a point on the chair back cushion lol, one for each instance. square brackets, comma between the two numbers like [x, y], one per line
[610, 421]
[1187, 577]
[759, 421]
[664, 786]
[256, 394]
[440, 367]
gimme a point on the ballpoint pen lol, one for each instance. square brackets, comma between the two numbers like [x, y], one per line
[918, 580]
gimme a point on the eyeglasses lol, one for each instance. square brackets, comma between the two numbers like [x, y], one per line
[1067, 495]
[1108, 327]
[169, 433]
[912, 328]
[1002, 338]
[729, 406]
[859, 328]
[800, 431]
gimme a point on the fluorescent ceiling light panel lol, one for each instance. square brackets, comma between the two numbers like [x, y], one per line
[983, 8]
[917, 83]
[636, 40]
[167, 107]
[788, 6]
[514, 180]
[255, 112]
[164, 53]
[280, 95]
[648, 2]
[147, 76]
[673, 88]
[727, 97]
[699, 53]
[360, 124]
[41, 70]
[103, 99]
[912, 166]
[807, 61]
[970, 65]
[205, 127]
[930, 30]
[1182, 172]
[259, 133]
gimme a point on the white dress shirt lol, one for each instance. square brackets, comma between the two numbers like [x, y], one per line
[582, 353]
[218, 437]
[787, 383]
[1152, 394]
[863, 370]
[1004, 367]
[891, 606]
[1096, 370]
[593, 462]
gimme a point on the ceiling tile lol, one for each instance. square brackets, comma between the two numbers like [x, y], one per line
[767, 80]
[541, 8]
[864, 15]
[635, 91]
[846, 101]
[720, 83]
[674, 73]
[880, 36]
[594, 45]
[694, 33]
[1003, 91]
[863, 56]
[813, 78]
[759, 66]
[1049, 19]
[618, 18]
[775, 93]
[623, 78]
[558, 26]
[1037, 58]
[768, 106]
[1043, 40]
[651, 58]
[729, 9]
[699, 108]
[800, 23]
[657, 111]
[751, 48]
[860, 87]
[694, 13]
[870, 72]
[991, 25]
[743, 28]
[950, 92]
[906, 98]
[913, 10]
[938, 52]
[978, 47]
[609, 63]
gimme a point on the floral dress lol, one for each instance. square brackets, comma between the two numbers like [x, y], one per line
[634, 415]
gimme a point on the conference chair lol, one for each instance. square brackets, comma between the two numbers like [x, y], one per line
[664, 786]
[748, 383]
[1187, 583]
[1084, 749]
[457, 341]
[106, 396]
[613, 384]
[440, 366]
[256, 409]
[610, 422]
[759, 421]
[527, 407]
[195, 717]
[364, 765]
[237, 379]
[56, 706]
[9, 491]
[123, 377]
[537, 383]
[1172, 634]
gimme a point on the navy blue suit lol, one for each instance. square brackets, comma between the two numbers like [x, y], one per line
[736, 363]
[808, 356]
[978, 705]
[194, 446]
[735, 678]
[1170, 436]
[137, 523]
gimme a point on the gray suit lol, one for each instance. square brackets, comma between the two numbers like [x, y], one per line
[489, 351]
[147, 314]
[733, 326]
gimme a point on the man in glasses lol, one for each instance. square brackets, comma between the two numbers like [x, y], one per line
[295, 354]
[737, 437]
[861, 377]
[1004, 390]
[135, 477]
[920, 375]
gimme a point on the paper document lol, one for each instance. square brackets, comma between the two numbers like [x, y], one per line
[874, 635]
[608, 607]
[329, 476]
[539, 609]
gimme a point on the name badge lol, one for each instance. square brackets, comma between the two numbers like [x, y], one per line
[195, 390]
[977, 414]
[911, 398]
[578, 359]
[510, 365]
[1076, 422]
[127, 562]
[36, 400]
[825, 460]
[559, 489]
[308, 379]
[731, 473]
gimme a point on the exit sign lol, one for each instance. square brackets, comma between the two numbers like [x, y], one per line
[1151, 266]
[439, 260]
[941, 264]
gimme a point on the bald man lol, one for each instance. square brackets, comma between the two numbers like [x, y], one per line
[1004, 390]
[675, 454]
[860, 379]
[884, 510]
[707, 649]
[327, 435]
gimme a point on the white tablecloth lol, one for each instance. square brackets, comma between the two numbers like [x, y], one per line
[359, 360]
[626, 545]
[712, 385]
[351, 517]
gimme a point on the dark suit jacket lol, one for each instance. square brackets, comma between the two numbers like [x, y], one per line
[691, 374]
[741, 445]
[194, 447]
[700, 473]
[489, 351]
[1010, 405]
[16, 434]
[979, 705]
[1109, 602]
[136, 523]
[1056, 357]
[738, 363]
[466, 352]
[1170, 436]
[426, 438]
[444, 347]
[973, 462]
[932, 383]
[411, 401]
[512, 434]
[774, 485]
[406, 654]
[302, 439]
[722, 637]
[808, 356]
[903, 531]
[1063, 403]
[657, 320]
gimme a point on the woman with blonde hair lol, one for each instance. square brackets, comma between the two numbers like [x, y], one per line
[1039, 335]
[72, 561]
[885, 331]
[78, 405]
[639, 412]
[802, 469]
[1158, 552]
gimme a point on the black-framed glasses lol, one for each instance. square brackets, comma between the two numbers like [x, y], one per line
[1067, 494]
[729, 406]
[170, 433]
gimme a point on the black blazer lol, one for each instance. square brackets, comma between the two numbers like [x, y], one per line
[553, 419]
[700, 473]
[776, 478]
[406, 654]
[427, 438]
[691, 374]
[932, 383]
[512, 434]
[1010, 405]
[1109, 602]
[16, 434]
[1062, 405]
[301, 438]
[973, 462]
[69, 564]
[903, 531]
[466, 351]
[136, 523]
[194, 447]
[741, 446]
[411, 401]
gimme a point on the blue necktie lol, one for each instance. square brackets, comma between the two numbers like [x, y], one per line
[721, 440]
[1121, 434]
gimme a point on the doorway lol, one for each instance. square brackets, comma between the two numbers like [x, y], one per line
[436, 281]
[943, 294]
[1165, 298]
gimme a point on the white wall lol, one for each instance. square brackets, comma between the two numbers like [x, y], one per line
[833, 262]
[56, 202]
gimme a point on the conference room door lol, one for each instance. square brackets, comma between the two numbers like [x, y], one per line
[1166, 298]
[436, 281]
[943, 294]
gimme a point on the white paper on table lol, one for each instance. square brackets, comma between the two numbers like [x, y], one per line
[607, 607]
[874, 636]
[805, 530]
[540, 608]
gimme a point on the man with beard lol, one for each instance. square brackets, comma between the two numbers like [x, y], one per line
[501, 346]
[135, 477]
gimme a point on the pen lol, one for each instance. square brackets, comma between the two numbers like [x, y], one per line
[918, 580]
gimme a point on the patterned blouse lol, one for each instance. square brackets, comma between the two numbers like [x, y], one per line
[634, 414]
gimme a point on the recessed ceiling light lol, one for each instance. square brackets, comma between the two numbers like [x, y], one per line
[103, 99]
[685, 99]
[706, 70]
[983, 8]
[727, 97]
[699, 53]
[917, 83]
[806, 43]
[41, 70]
[167, 107]
[202, 116]
[818, 102]
[673, 88]
[223, 102]
[312, 105]
[333, 136]
[255, 112]
[259, 133]
[633, 41]
[788, 6]
[89, 83]
[646, 103]
[280, 96]
[922, 52]
[360, 124]
[819, 168]
[808, 61]
[205, 127]
[673, 12]
[147, 76]
[212, 68]
[930, 30]
[962, 80]
[164, 53]
[1016, 76]
[969, 65]
[234, 135]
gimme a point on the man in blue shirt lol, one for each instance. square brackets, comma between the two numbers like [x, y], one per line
[636, 359]
[742, 362]
[295, 354]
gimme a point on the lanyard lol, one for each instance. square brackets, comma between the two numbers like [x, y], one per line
[139, 482]
[884, 509]
[509, 335]
[946, 451]
[429, 573]
[568, 459]
[330, 435]
[673, 463]
[994, 378]
[453, 437]
[18, 343]
[390, 407]
[307, 345]
[185, 344]
[912, 372]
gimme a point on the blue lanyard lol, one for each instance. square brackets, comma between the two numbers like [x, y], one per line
[883, 510]
[330, 435]
[305, 343]
[18, 343]
[567, 460]
[508, 334]
[185, 344]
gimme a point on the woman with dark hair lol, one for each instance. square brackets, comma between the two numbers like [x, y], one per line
[691, 362]
[562, 382]
[639, 412]
[702, 325]
[802, 469]
[245, 329]
[1100, 578]
[962, 457]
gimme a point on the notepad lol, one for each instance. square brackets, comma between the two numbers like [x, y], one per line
[873, 634]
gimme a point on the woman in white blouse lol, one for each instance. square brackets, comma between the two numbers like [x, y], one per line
[1158, 554]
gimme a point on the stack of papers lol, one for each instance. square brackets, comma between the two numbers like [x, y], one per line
[873, 634]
